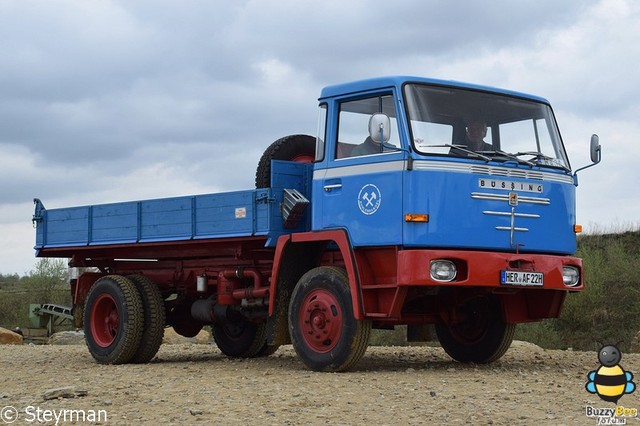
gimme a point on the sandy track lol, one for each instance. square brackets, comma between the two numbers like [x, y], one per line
[196, 384]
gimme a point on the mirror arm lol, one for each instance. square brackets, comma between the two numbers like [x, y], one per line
[575, 173]
[585, 167]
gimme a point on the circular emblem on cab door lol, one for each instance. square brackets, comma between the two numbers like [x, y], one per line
[369, 199]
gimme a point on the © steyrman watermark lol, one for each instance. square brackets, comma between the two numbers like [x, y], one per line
[32, 414]
[8, 414]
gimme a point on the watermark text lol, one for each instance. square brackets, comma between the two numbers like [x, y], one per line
[34, 414]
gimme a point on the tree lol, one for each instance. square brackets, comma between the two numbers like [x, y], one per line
[9, 281]
[47, 281]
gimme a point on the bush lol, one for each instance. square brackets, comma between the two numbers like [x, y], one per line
[608, 310]
[396, 337]
[46, 283]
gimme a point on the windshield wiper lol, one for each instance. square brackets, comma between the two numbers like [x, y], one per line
[545, 160]
[511, 156]
[461, 148]
[534, 154]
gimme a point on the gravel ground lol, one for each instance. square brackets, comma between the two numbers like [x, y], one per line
[196, 384]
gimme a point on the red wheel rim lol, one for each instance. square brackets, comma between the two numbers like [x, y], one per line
[320, 320]
[303, 158]
[104, 320]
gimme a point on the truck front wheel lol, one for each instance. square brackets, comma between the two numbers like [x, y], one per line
[324, 331]
[113, 320]
[480, 336]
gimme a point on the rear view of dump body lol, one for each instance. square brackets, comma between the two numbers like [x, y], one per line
[427, 203]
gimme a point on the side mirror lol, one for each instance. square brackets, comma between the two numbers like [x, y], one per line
[380, 128]
[595, 149]
[596, 156]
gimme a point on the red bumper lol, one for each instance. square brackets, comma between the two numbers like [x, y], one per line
[483, 269]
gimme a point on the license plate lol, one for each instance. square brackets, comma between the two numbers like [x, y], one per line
[527, 279]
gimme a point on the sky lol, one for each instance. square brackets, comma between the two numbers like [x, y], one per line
[115, 100]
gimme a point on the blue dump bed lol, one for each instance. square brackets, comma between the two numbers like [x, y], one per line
[257, 212]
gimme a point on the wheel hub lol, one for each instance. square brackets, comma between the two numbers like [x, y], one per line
[321, 320]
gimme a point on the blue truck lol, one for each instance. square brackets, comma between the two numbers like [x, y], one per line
[420, 202]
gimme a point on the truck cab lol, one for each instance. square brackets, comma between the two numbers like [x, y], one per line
[426, 184]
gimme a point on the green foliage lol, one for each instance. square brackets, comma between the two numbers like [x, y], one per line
[47, 280]
[396, 337]
[608, 310]
[46, 283]
[8, 282]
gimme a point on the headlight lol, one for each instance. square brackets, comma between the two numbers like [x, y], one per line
[443, 270]
[570, 276]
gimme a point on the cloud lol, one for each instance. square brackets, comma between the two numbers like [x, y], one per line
[115, 100]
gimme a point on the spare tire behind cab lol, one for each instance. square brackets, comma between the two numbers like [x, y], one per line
[300, 148]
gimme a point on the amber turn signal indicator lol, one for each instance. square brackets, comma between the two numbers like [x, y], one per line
[416, 217]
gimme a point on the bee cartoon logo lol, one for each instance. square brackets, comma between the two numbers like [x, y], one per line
[610, 381]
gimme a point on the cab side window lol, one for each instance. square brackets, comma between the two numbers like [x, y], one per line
[322, 132]
[353, 127]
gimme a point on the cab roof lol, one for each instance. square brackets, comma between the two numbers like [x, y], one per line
[398, 81]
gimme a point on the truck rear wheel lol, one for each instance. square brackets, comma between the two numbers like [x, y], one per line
[240, 338]
[154, 317]
[179, 317]
[482, 336]
[324, 331]
[267, 350]
[113, 320]
[300, 148]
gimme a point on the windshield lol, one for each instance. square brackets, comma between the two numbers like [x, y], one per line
[475, 124]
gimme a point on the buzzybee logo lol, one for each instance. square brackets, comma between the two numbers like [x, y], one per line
[610, 381]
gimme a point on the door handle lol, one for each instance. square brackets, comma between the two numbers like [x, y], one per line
[329, 188]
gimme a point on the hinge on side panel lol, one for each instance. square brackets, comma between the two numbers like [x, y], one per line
[264, 198]
[38, 216]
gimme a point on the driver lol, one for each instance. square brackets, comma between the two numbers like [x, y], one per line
[476, 132]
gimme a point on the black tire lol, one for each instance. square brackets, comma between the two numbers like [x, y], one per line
[324, 331]
[482, 337]
[154, 319]
[239, 338]
[300, 148]
[179, 317]
[78, 316]
[113, 320]
[267, 350]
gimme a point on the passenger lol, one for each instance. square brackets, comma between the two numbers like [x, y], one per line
[476, 132]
